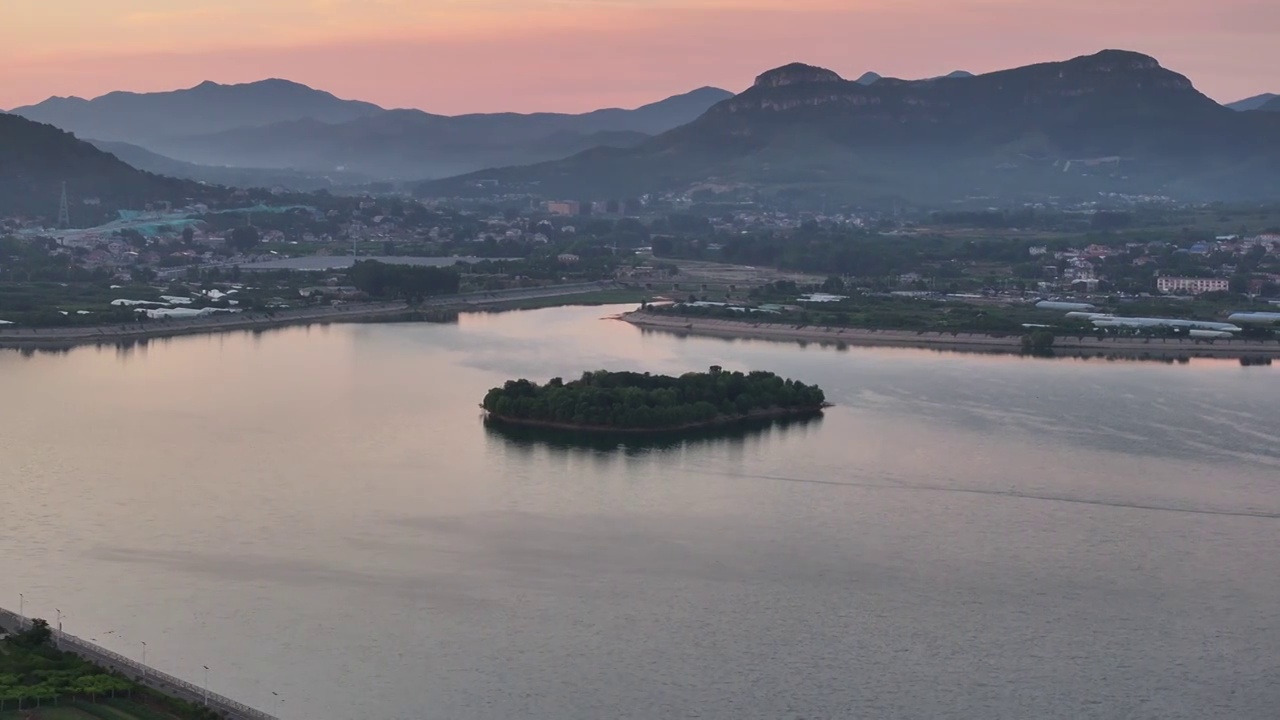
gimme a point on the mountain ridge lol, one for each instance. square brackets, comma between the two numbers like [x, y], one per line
[868, 78]
[277, 124]
[142, 118]
[1113, 121]
[37, 160]
[1253, 103]
[411, 144]
[248, 177]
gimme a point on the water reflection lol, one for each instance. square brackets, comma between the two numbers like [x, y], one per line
[33, 344]
[958, 526]
[523, 438]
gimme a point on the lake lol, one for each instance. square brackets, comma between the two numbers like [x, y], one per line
[321, 516]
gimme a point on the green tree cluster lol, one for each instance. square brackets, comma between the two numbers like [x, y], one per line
[244, 238]
[856, 253]
[629, 400]
[1039, 342]
[403, 282]
[33, 673]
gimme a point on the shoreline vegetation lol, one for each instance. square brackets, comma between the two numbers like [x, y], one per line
[718, 422]
[37, 338]
[20, 337]
[629, 402]
[970, 342]
[40, 680]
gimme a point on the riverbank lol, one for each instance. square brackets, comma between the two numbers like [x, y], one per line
[971, 342]
[615, 296]
[47, 338]
[191, 700]
[66, 337]
[720, 421]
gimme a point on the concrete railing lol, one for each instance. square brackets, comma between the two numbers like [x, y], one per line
[144, 675]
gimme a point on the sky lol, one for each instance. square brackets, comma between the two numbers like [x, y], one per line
[456, 56]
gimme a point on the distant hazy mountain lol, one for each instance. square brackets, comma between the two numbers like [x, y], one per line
[1253, 103]
[36, 159]
[413, 144]
[280, 125]
[395, 144]
[143, 118]
[1114, 121]
[1272, 105]
[143, 159]
[868, 78]
[649, 119]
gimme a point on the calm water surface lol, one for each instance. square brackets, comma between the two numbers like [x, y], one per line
[321, 513]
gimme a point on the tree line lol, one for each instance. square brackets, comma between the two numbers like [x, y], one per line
[403, 282]
[629, 400]
[848, 252]
[34, 673]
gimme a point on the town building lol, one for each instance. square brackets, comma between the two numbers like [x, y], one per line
[1193, 285]
[564, 207]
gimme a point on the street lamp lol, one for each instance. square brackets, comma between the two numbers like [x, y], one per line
[206, 686]
[22, 605]
[144, 659]
[59, 643]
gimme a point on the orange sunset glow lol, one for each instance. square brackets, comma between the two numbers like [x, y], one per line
[455, 56]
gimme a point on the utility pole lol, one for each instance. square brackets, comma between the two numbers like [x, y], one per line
[144, 659]
[22, 603]
[64, 211]
[206, 686]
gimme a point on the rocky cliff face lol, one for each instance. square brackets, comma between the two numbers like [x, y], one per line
[1016, 130]
[1111, 74]
[1110, 70]
[796, 74]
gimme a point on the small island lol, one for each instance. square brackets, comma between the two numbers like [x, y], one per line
[640, 402]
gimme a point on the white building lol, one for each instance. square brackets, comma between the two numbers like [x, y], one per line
[1195, 286]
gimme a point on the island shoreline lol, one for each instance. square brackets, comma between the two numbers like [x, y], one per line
[961, 342]
[718, 422]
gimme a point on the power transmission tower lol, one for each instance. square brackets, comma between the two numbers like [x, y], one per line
[64, 212]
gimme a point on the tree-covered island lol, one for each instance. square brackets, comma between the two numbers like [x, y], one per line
[629, 401]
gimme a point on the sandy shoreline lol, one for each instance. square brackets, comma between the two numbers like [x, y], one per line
[1135, 347]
